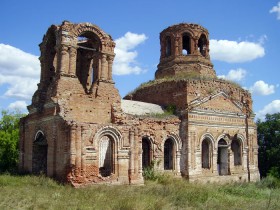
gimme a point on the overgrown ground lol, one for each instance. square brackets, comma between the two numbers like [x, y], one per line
[30, 192]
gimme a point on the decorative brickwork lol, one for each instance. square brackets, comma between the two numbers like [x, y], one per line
[78, 132]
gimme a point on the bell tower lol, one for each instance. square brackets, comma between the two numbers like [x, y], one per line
[184, 52]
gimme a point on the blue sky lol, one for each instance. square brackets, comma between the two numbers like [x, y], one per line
[244, 41]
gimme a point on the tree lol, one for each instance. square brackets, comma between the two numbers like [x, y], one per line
[269, 145]
[9, 138]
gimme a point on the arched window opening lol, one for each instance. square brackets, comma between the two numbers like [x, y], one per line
[186, 44]
[206, 154]
[168, 155]
[40, 154]
[146, 153]
[222, 159]
[106, 152]
[168, 46]
[236, 149]
[202, 45]
[87, 64]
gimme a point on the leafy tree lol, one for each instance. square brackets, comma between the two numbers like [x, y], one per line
[269, 145]
[9, 138]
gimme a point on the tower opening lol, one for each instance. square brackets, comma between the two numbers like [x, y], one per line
[87, 65]
[186, 45]
[202, 45]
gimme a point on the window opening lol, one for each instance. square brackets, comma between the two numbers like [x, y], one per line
[206, 154]
[146, 153]
[168, 154]
[236, 149]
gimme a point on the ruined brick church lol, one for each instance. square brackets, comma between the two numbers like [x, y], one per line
[80, 131]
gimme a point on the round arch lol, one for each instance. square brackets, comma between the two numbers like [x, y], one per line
[105, 39]
[207, 136]
[111, 131]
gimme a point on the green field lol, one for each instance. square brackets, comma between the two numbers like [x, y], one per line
[31, 192]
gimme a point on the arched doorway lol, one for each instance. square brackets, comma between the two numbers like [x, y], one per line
[236, 150]
[222, 160]
[106, 153]
[40, 154]
[169, 155]
[146, 153]
[206, 154]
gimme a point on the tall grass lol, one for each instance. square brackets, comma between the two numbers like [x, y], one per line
[31, 192]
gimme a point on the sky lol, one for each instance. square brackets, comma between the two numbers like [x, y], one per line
[244, 42]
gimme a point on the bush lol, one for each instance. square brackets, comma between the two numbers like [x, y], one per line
[269, 182]
[9, 140]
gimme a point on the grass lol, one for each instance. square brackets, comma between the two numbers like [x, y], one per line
[186, 76]
[32, 192]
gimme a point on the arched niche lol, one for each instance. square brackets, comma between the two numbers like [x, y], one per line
[168, 48]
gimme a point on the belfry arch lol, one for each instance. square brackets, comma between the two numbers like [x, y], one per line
[88, 67]
[186, 44]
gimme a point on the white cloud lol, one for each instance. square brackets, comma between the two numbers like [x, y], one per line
[18, 105]
[262, 88]
[20, 71]
[125, 60]
[235, 52]
[277, 10]
[234, 74]
[271, 108]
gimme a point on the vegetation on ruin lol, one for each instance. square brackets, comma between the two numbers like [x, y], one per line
[184, 76]
[30, 192]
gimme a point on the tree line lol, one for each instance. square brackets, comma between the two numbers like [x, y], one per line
[268, 140]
